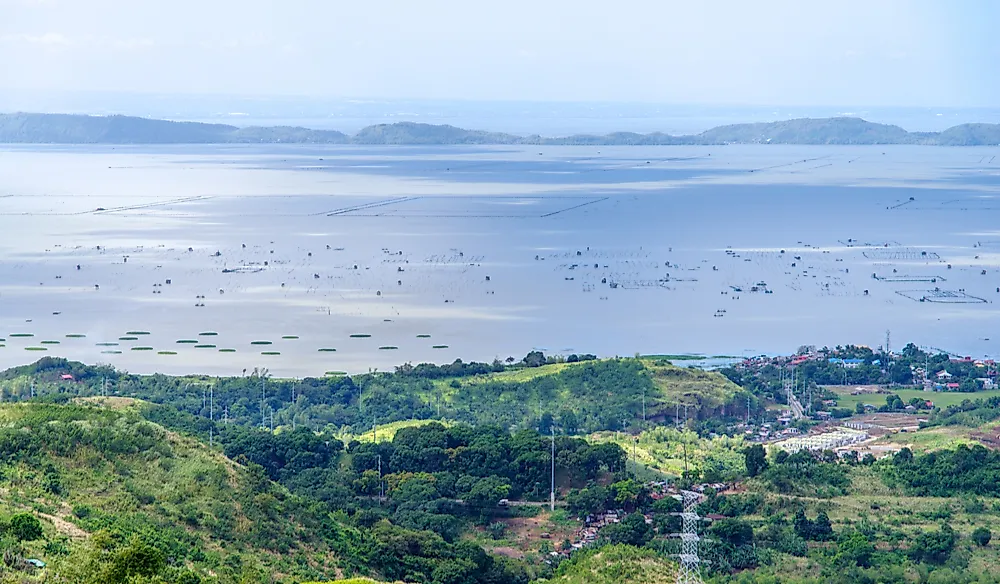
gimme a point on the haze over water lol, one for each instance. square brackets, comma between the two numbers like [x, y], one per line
[490, 251]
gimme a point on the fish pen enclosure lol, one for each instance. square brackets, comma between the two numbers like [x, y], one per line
[940, 296]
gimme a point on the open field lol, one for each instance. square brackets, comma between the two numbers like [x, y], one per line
[940, 398]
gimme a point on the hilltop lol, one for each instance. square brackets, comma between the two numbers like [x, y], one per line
[34, 128]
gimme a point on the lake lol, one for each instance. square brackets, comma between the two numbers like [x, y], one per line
[382, 255]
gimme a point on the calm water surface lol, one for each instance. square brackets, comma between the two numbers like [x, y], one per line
[490, 252]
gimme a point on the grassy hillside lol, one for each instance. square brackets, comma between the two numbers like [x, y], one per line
[102, 480]
[690, 386]
[581, 397]
[614, 565]
[666, 451]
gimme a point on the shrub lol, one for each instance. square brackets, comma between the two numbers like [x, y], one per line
[982, 536]
[25, 527]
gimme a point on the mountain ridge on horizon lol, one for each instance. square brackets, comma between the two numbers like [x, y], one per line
[36, 128]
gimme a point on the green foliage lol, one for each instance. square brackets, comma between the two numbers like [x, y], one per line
[136, 559]
[982, 536]
[615, 564]
[497, 530]
[25, 527]
[632, 530]
[734, 532]
[756, 460]
[934, 547]
[944, 473]
[854, 549]
[803, 474]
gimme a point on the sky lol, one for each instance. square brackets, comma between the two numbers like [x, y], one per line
[820, 52]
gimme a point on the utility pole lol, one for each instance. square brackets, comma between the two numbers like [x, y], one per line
[211, 416]
[635, 456]
[381, 491]
[263, 413]
[644, 407]
[552, 490]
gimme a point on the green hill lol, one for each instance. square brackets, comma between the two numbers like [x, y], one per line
[107, 485]
[614, 565]
[100, 494]
[581, 397]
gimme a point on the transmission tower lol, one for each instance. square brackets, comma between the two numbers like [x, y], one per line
[689, 569]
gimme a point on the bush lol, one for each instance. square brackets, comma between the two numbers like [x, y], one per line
[982, 536]
[25, 527]
[497, 530]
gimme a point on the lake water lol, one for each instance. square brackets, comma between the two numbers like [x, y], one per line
[490, 252]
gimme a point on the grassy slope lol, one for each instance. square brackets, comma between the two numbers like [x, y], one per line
[615, 565]
[689, 386]
[661, 450]
[683, 385]
[386, 432]
[172, 487]
[870, 501]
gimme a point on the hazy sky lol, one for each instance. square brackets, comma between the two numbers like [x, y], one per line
[804, 52]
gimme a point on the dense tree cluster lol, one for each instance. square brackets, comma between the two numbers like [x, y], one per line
[945, 473]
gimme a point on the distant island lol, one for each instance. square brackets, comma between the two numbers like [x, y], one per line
[33, 128]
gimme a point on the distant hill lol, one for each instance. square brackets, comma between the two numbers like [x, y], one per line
[29, 128]
[78, 129]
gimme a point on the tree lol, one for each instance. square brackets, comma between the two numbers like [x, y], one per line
[487, 492]
[735, 532]
[137, 559]
[969, 385]
[25, 527]
[633, 530]
[934, 547]
[821, 528]
[900, 373]
[534, 359]
[859, 408]
[756, 459]
[802, 525]
[545, 423]
[982, 536]
[569, 422]
[854, 550]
